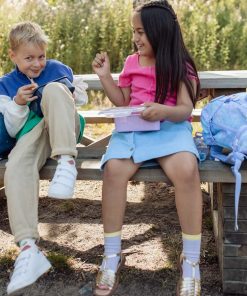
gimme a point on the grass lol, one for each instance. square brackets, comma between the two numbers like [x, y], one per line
[67, 206]
[59, 261]
[7, 259]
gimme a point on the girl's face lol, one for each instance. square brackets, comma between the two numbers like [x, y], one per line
[140, 38]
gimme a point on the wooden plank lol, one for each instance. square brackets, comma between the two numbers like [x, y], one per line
[229, 199]
[227, 91]
[208, 79]
[235, 263]
[219, 241]
[228, 188]
[229, 213]
[215, 218]
[234, 287]
[210, 171]
[235, 238]
[87, 140]
[229, 225]
[100, 143]
[88, 152]
[235, 275]
[93, 116]
[235, 250]
[2, 191]
[217, 172]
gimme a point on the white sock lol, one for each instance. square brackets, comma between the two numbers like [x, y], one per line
[112, 244]
[191, 250]
[27, 242]
[67, 158]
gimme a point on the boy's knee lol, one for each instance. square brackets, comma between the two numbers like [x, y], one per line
[54, 93]
[52, 87]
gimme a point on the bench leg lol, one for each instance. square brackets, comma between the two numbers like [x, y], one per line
[231, 244]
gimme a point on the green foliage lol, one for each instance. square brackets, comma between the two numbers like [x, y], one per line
[59, 261]
[7, 259]
[215, 31]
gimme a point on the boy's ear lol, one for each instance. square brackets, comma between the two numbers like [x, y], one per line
[12, 55]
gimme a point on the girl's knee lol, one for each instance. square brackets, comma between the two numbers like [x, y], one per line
[113, 170]
[188, 172]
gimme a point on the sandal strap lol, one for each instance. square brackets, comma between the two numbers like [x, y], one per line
[191, 263]
[105, 257]
[111, 256]
[107, 277]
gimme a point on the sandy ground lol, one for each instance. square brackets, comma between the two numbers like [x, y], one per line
[71, 235]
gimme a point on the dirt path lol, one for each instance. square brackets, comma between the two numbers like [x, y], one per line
[71, 234]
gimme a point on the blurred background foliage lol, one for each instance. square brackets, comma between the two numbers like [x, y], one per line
[215, 31]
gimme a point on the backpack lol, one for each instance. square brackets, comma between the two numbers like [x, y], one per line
[6, 142]
[224, 123]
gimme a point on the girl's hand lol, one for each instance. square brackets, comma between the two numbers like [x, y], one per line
[25, 94]
[154, 111]
[101, 64]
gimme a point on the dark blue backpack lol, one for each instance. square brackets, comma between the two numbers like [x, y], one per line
[6, 142]
[224, 122]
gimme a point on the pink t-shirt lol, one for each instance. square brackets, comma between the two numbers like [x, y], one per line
[142, 81]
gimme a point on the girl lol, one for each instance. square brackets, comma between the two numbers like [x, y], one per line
[163, 77]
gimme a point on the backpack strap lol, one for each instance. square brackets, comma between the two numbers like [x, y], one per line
[236, 157]
[239, 157]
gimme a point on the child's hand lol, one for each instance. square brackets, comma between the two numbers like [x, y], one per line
[25, 94]
[101, 64]
[154, 111]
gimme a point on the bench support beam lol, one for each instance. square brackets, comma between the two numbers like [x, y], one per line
[231, 244]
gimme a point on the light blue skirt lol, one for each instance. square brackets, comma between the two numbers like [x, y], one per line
[144, 146]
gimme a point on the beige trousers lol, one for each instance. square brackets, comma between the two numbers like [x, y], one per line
[56, 134]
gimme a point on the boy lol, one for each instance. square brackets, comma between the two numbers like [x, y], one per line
[53, 135]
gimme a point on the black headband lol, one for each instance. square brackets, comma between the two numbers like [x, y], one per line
[162, 5]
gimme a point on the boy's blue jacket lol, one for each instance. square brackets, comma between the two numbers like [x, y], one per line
[22, 120]
[11, 82]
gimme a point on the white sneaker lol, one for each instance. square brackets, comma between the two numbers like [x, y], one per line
[29, 266]
[63, 183]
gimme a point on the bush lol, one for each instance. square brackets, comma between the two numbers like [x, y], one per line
[214, 31]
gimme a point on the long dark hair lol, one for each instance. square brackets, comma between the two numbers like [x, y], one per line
[173, 61]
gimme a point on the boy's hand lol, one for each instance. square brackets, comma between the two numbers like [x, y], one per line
[25, 94]
[154, 111]
[101, 64]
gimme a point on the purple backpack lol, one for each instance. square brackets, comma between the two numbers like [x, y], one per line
[224, 122]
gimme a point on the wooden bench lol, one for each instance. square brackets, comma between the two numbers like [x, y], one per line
[231, 245]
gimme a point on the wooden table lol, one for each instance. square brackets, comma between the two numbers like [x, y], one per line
[231, 245]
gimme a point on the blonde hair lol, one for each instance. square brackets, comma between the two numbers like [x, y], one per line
[25, 32]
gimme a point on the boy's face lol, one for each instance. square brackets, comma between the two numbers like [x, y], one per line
[29, 58]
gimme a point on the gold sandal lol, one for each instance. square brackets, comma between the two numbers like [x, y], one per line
[188, 286]
[107, 280]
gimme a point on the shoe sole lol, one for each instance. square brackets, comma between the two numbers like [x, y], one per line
[55, 196]
[39, 272]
